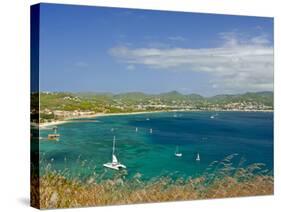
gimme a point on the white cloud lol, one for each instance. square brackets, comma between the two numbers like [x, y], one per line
[237, 64]
[262, 39]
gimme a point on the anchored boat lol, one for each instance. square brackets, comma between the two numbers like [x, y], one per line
[177, 153]
[213, 116]
[115, 164]
[198, 157]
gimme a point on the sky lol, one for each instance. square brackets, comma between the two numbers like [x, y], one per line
[99, 49]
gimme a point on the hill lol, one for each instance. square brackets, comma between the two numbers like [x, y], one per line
[138, 101]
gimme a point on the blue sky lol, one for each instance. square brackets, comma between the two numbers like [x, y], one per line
[123, 50]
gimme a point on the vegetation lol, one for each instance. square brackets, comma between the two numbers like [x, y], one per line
[136, 101]
[220, 180]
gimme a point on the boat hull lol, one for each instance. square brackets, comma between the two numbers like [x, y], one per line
[114, 166]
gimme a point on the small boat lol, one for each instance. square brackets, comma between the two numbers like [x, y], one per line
[177, 153]
[213, 116]
[136, 129]
[115, 164]
[147, 119]
[198, 157]
[112, 129]
[151, 131]
[55, 136]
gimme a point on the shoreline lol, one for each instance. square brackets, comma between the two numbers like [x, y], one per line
[73, 119]
[48, 124]
[127, 113]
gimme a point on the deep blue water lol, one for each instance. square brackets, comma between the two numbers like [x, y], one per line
[85, 146]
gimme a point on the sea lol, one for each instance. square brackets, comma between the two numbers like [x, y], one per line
[146, 143]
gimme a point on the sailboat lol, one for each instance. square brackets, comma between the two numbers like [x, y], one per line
[198, 157]
[213, 116]
[114, 164]
[177, 153]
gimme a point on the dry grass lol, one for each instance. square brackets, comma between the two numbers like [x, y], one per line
[219, 181]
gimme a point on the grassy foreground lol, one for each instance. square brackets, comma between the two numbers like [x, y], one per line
[220, 180]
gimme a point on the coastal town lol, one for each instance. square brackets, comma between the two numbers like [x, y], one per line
[65, 106]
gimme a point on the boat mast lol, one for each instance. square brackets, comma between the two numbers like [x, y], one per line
[113, 148]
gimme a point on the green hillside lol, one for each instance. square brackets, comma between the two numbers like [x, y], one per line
[137, 101]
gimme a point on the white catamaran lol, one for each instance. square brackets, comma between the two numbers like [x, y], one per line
[177, 153]
[114, 164]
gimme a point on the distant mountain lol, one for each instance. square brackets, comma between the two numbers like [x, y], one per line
[195, 97]
[133, 95]
[265, 98]
[171, 94]
[91, 94]
[131, 100]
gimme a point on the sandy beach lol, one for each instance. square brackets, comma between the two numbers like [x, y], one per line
[72, 119]
[53, 123]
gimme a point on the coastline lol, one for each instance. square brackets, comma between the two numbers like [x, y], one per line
[48, 124]
[72, 119]
[127, 113]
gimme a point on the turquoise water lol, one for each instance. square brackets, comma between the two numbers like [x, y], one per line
[85, 146]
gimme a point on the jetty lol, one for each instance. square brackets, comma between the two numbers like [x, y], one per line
[55, 135]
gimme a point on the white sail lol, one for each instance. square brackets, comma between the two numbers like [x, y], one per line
[198, 157]
[113, 146]
[114, 159]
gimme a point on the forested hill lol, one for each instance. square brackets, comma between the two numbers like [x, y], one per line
[137, 101]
